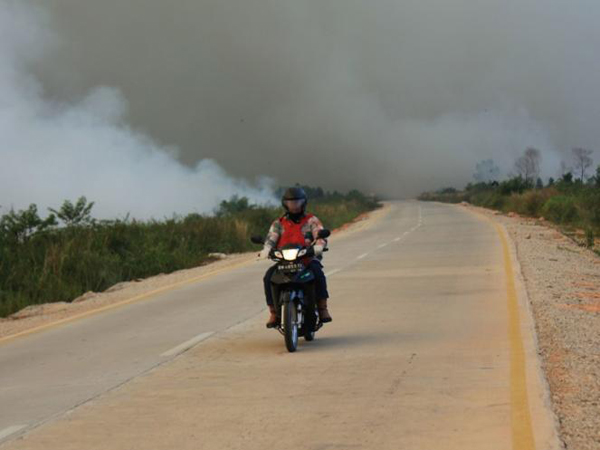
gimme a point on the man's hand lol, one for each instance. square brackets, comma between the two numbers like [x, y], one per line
[318, 250]
[264, 254]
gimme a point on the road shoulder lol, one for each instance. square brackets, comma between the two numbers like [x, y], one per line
[561, 308]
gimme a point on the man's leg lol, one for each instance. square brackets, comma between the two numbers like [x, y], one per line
[272, 322]
[321, 290]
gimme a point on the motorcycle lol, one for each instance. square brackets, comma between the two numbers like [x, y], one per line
[295, 303]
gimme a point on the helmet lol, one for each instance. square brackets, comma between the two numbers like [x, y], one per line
[294, 194]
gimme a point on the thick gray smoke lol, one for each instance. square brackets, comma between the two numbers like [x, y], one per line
[391, 97]
[52, 150]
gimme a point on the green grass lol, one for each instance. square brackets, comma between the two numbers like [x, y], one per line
[42, 262]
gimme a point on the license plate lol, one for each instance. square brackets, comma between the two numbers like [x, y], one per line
[291, 267]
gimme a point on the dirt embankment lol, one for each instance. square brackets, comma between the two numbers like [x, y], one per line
[563, 285]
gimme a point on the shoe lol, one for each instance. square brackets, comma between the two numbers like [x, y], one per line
[324, 315]
[273, 320]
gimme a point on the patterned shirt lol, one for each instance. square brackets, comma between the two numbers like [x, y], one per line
[312, 226]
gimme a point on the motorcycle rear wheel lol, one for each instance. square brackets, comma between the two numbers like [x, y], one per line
[310, 324]
[290, 325]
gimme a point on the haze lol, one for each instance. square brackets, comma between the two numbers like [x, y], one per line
[390, 97]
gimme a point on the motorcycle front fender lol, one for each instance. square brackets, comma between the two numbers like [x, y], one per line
[280, 278]
[292, 295]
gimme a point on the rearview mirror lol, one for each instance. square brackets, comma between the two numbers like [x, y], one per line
[323, 234]
[257, 239]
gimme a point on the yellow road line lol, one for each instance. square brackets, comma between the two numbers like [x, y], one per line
[522, 430]
[128, 301]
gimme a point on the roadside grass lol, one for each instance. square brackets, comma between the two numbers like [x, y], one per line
[42, 261]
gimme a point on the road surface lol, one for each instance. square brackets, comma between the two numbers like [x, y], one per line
[430, 348]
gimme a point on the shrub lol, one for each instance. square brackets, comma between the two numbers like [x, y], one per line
[590, 205]
[516, 184]
[40, 262]
[488, 199]
[589, 238]
[530, 203]
[560, 209]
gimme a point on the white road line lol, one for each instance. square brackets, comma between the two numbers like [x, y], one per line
[413, 229]
[399, 238]
[10, 430]
[333, 272]
[187, 344]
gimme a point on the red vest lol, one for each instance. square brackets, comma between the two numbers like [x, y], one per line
[292, 232]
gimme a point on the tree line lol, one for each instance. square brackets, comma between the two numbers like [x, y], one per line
[527, 166]
[572, 200]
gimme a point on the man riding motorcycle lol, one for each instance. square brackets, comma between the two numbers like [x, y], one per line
[293, 228]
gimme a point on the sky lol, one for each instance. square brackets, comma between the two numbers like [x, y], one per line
[154, 107]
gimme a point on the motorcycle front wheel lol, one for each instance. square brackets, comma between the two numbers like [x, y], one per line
[290, 325]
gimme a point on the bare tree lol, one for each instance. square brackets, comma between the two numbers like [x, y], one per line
[528, 165]
[582, 160]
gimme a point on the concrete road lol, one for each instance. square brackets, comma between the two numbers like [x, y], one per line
[425, 352]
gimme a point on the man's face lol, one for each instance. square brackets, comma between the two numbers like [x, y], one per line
[294, 206]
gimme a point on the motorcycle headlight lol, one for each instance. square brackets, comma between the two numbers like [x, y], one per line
[290, 254]
[278, 254]
[302, 252]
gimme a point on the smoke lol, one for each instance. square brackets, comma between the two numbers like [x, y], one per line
[52, 151]
[391, 97]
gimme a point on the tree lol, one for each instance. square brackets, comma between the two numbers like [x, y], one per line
[75, 214]
[486, 171]
[448, 190]
[233, 206]
[18, 227]
[515, 184]
[528, 165]
[567, 178]
[582, 160]
[539, 184]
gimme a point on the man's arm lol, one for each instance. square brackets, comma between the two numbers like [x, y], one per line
[274, 234]
[315, 227]
[272, 238]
